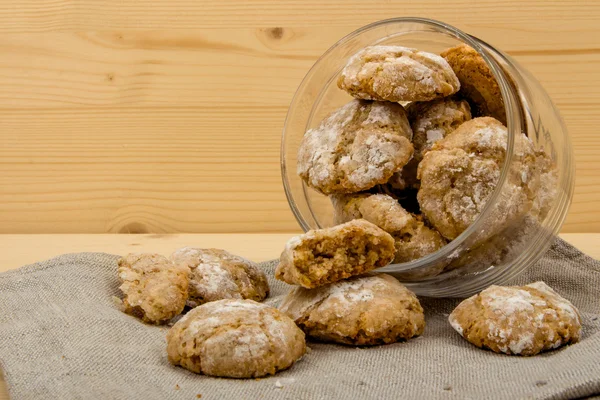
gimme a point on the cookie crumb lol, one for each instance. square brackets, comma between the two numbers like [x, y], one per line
[448, 388]
[278, 385]
[198, 396]
[177, 387]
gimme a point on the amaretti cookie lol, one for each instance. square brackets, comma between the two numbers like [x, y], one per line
[154, 288]
[363, 311]
[461, 171]
[396, 73]
[520, 320]
[216, 274]
[356, 147]
[235, 338]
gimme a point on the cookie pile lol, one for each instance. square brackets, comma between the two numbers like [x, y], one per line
[374, 309]
[227, 332]
[362, 310]
[424, 172]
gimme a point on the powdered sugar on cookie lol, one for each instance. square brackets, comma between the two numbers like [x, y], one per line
[355, 148]
[217, 274]
[396, 73]
[521, 320]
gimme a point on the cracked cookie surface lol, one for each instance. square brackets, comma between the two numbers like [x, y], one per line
[362, 311]
[356, 147]
[461, 171]
[396, 73]
[216, 274]
[235, 338]
[154, 288]
[322, 256]
[519, 320]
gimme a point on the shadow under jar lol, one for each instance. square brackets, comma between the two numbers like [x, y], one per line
[481, 255]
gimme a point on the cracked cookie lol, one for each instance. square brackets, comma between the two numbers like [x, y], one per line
[519, 320]
[322, 256]
[477, 83]
[361, 311]
[461, 171]
[217, 274]
[236, 339]
[154, 288]
[356, 147]
[396, 73]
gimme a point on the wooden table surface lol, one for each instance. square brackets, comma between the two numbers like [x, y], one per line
[18, 250]
[163, 116]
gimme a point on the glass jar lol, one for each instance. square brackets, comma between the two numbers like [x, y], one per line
[478, 257]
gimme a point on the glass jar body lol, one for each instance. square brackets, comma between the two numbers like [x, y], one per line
[485, 253]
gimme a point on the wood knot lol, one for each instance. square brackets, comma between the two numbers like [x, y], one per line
[110, 77]
[275, 33]
[134, 227]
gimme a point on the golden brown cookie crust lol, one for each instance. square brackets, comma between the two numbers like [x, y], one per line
[396, 73]
[216, 274]
[236, 339]
[477, 83]
[461, 171]
[154, 288]
[355, 148]
[362, 311]
[523, 320]
[322, 256]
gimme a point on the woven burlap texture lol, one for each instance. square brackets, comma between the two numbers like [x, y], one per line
[61, 336]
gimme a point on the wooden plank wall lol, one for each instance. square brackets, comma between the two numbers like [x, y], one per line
[166, 115]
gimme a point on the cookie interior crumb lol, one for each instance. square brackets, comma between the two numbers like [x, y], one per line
[328, 255]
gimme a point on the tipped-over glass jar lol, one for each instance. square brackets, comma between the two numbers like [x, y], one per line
[481, 255]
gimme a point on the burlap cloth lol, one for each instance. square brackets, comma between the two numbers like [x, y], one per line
[61, 336]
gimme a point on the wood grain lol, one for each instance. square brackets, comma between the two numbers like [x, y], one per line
[67, 15]
[154, 116]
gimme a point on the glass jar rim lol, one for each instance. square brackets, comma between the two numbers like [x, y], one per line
[513, 126]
